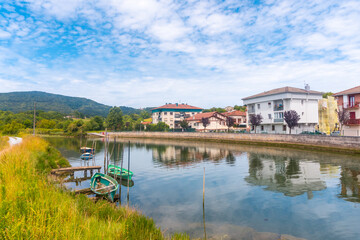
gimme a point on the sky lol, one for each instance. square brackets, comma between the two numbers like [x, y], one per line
[206, 53]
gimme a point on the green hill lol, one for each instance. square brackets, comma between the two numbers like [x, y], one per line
[24, 101]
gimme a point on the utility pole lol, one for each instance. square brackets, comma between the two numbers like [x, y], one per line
[34, 118]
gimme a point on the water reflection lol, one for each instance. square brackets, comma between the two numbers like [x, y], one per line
[182, 155]
[350, 184]
[285, 174]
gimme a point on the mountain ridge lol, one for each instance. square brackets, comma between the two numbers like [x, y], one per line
[21, 101]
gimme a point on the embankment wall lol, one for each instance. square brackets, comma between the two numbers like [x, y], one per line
[315, 142]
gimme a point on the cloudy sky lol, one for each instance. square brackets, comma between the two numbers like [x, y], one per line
[205, 53]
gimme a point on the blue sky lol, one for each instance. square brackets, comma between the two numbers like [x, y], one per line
[205, 53]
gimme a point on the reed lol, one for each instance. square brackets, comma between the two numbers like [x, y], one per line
[33, 208]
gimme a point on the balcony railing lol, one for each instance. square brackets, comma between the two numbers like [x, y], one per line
[351, 105]
[353, 122]
[277, 120]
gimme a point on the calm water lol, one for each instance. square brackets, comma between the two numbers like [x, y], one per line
[250, 192]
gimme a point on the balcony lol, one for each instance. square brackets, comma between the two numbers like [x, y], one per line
[351, 105]
[278, 105]
[278, 120]
[353, 122]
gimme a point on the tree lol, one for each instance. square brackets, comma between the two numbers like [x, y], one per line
[114, 118]
[205, 122]
[344, 117]
[230, 122]
[255, 120]
[325, 95]
[291, 118]
[100, 121]
[240, 108]
[184, 124]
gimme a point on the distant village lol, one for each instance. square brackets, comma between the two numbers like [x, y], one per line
[269, 112]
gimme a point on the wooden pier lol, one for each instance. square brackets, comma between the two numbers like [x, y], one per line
[75, 169]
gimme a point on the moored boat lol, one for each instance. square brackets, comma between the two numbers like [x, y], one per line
[87, 150]
[86, 156]
[120, 172]
[104, 185]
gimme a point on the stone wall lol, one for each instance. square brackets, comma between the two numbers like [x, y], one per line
[335, 143]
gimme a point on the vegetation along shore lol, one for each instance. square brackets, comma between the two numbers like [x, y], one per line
[33, 207]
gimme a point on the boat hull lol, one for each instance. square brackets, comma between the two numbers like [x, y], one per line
[87, 150]
[104, 185]
[119, 172]
[86, 156]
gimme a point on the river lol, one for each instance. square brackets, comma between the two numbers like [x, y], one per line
[250, 192]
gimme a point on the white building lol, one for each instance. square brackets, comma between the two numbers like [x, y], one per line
[272, 105]
[217, 122]
[173, 114]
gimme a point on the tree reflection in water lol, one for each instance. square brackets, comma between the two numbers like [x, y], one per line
[288, 175]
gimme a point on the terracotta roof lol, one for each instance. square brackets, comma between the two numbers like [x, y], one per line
[176, 106]
[235, 113]
[199, 116]
[353, 90]
[145, 123]
[282, 90]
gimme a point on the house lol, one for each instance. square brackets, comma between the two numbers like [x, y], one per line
[349, 100]
[272, 104]
[239, 117]
[173, 114]
[217, 122]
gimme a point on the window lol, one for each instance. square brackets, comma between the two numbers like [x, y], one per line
[262, 128]
[284, 128]
[252, 128]
[279, 115]
[273, 127]
[270, 117]
[351, 101]
[171, 113]
[269, 104]
[165, 119]
[302, 102]
[258, 106]
[302, 113]
[165, 113]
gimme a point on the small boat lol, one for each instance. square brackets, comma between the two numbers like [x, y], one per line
[118, 171]
[86, 156]
[104, 185]
[125, 183]
[87, 150]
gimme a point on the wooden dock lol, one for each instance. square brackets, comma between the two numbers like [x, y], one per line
[75, 169]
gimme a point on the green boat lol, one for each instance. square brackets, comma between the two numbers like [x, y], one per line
[118, 171]
[104, 185]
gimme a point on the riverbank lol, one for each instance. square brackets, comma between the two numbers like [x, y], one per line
[345, 145]
[32, 207]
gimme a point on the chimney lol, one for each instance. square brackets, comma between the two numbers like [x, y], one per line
[307, 87]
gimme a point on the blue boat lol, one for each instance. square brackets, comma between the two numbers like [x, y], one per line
[104, 185]
[86, 156]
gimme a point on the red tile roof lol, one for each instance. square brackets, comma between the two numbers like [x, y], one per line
[199, 116]
[177, 106]
[282, 90]
[235, 113]
[353, 90]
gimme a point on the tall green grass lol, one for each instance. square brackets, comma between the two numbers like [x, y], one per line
[33, 208]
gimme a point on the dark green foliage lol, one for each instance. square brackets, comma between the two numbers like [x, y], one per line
[241, 108]
[159, 127]
[215, 109]
[184, 124]
[78, 107]
[325, 95]
[114, 118]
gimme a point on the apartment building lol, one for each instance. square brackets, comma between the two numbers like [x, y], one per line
[173, 114]
[272, 105]
[349, 100]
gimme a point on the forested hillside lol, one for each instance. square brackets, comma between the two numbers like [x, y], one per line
[24, 101]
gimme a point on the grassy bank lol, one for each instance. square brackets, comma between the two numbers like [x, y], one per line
[33, 208]
[4, 142]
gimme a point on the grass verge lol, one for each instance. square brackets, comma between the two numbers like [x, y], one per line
[4, 142]
[33, 208]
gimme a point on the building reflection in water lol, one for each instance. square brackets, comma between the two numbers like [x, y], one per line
[350, 184]
[182, 155]
[288, 175]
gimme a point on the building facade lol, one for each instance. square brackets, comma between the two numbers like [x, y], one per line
[349, 100]
[272, 104]
[217, 122]
[328, 119]
[173, 114]
[239, 117]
